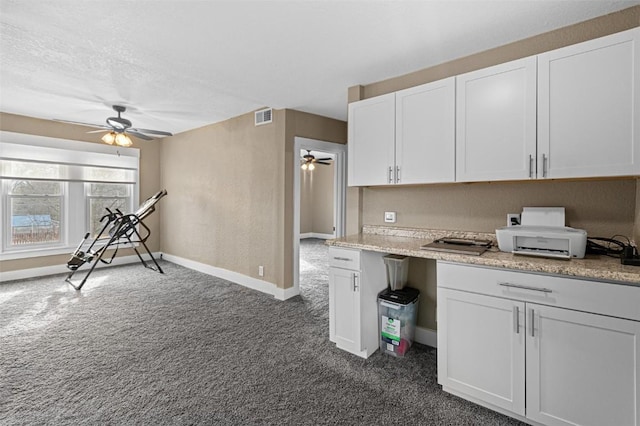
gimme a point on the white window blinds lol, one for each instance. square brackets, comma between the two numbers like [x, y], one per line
[39, 158]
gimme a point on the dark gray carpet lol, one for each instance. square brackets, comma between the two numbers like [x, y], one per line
[137, 347]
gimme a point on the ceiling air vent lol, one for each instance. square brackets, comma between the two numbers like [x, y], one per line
[264, 116]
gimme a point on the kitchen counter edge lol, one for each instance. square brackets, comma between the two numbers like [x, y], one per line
[599, 268]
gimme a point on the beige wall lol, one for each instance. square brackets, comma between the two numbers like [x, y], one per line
[233, 186]
[306, 198]
[603, 208]
[149, 178]
[323, 199]
[225, 184]
[316, 200]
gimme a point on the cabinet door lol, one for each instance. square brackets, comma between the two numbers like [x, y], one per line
[371, 158]
[496, 122]
[344, 309]
[589, 108]
[481, 348]
[582, 369]
[425, 133]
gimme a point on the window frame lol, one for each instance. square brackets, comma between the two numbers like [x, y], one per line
[7, 245]
[88, 198]
[75, 202]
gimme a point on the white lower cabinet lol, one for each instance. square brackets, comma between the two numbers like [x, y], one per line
[483, 354]
[355, 279]
[582, 369]
[523, 345]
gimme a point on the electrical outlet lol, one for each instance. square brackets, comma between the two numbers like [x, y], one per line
[261, 271]
[390, 217]
[513, 219]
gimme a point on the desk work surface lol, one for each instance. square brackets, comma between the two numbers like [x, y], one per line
[407, 242]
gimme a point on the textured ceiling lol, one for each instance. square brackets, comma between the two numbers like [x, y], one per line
[178, 65]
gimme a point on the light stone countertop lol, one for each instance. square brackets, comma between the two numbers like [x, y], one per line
[407, 242]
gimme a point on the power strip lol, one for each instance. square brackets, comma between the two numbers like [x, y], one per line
[629, 256]
[635, 261]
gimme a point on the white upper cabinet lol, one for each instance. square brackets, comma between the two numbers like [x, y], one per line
[588, 108]
[496, 122]
[406, 137]
[573, 112]
[425, 133]
[371, 151]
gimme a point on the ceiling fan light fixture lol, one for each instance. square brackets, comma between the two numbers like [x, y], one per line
[109, 138]
[123, 140]
[304, 166]
[311, 166]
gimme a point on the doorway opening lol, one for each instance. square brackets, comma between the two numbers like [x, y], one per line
[305, 180]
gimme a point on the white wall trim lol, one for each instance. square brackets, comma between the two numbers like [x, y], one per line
[62, 269]
[235, 277]
[316, 235]
[426, 336]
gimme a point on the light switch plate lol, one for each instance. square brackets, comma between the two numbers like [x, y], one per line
[390, 217]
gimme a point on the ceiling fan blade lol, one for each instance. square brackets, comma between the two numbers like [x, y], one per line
[324, 159]
[98, 131]
[153, 132]
[139, 135]
[322, 162]
[99, 126]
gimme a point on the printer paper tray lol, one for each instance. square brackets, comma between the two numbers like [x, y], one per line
[543, 253]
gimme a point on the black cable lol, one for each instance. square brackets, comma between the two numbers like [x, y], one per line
[606, 246]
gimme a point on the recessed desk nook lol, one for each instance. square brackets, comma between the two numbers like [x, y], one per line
[542, 340]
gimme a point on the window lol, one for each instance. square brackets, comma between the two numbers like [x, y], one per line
[35, 212]
[55, 191]
[103, 196]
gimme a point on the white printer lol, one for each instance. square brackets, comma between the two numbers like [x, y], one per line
[542, 233]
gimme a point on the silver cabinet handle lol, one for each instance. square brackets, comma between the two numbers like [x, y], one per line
[544, 165]
[355, 282]
[346, 259]
[531, 312]
[516, 319]
[526, 287]
[390, 174]
[530, 166]
[397, 174]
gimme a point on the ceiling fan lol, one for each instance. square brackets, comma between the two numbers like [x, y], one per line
[119, 128]
[309, 160]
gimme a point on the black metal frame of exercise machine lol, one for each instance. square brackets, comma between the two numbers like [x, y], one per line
[119, 230]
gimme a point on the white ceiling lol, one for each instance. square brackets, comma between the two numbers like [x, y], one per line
[179, 65]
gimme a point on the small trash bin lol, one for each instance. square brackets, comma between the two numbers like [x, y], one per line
[398, 312]
[397, 270]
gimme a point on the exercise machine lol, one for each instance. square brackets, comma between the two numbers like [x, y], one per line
[119, 230]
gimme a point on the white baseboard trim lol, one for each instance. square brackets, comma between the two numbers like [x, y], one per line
[426, 336]
[317, 235]
[285, 293]
[62, 269]
[235, 277]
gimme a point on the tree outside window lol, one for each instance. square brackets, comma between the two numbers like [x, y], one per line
[35, 212]
[101, 196]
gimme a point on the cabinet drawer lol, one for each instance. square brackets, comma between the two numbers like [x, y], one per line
[344, 258]
[598, 297]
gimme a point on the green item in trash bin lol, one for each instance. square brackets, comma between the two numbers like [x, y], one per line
[391, 328]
